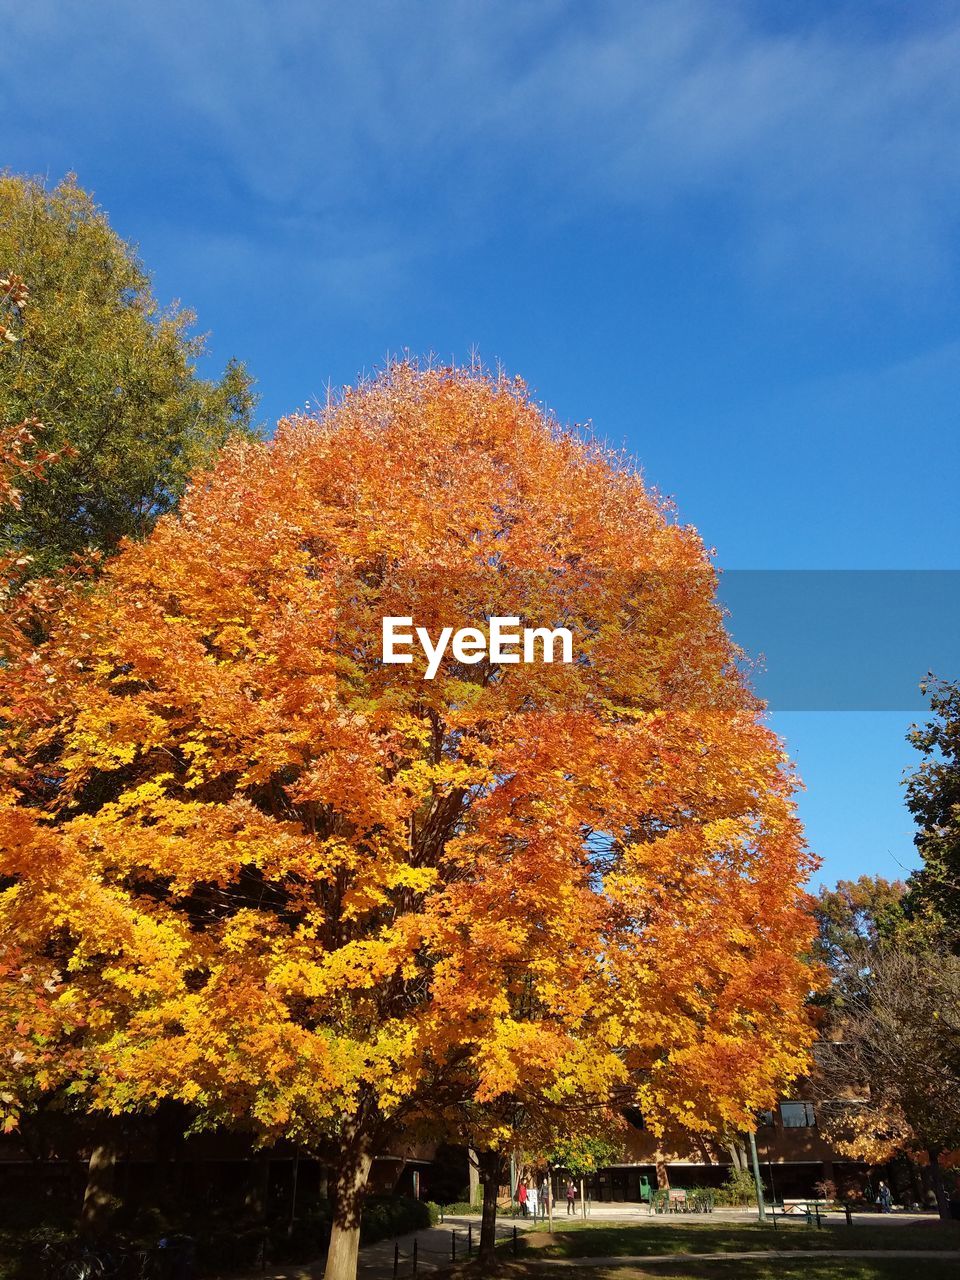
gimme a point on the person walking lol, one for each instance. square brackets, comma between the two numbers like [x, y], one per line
[545, 1197]
[885, 1197]
[571, 1197]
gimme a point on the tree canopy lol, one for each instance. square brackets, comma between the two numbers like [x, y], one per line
[853, 919]
[583, 1155]
[254, 868]
[889, 1056]
[890, 1073]
[107, 372]
[933, 797]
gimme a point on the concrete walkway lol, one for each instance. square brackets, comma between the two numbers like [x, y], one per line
[435, 1246]
[435, 1251]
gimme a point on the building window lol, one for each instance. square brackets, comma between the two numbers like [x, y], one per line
[797, 1115]
[764, 1119]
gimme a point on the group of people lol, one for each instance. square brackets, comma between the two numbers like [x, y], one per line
[536, 1198]
[533, 1198]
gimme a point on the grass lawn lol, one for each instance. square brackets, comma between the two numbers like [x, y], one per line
[613, 1241]
[769, 1269]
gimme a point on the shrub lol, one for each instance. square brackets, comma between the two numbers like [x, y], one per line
[20, 1249]
[738, 1189]
[220, 1246]
[385, 1216]
[148, 1222]
[701, 1199]
[231, 1249]
[826, 1189]
[307, 1239]
[852, 1193]
[459, 1206]
[23, 1213]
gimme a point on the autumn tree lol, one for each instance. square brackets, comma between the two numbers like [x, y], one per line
[933, 797]
[107, 371]
[891, 1074]
[305, 891]
[885, 1068]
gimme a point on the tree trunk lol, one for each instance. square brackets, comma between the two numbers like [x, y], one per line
[101, 1180]
[489, 1168]
[738, 1154]
[347, 1191]
[473, 1169]
[939, 1186]
[257, 1199]
[294, 1175]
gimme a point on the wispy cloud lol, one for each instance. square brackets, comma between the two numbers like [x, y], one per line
[380, 129]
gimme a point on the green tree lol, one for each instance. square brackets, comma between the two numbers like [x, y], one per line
[108, 373]
[585, 1154]
[887, 1062]
[855, 917]
[933, 797]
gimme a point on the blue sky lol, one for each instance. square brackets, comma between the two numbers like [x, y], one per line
[726, 234]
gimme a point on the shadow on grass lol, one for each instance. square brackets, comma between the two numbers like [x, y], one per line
[734, 1269]
[700, 1237]
[778, 1269]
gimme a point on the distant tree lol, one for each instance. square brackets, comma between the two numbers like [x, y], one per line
[109, 374]
[856, 917]
[890, 1071]
[933, 797]
[544, 1119]
[585, 1154]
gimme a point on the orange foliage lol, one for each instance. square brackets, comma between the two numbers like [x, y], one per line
[289, 884]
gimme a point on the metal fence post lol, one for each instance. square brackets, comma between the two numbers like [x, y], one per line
[754, 1160]
[469, 1239]
[396, 1260]
[514, 1241]
[453, 1246]
[414, 1255]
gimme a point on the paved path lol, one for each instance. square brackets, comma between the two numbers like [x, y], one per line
[434, 1244]
[376, 1260]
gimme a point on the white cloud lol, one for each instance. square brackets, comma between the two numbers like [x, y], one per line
[398, 124]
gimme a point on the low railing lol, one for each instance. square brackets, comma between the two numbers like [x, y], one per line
[408, 1262]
